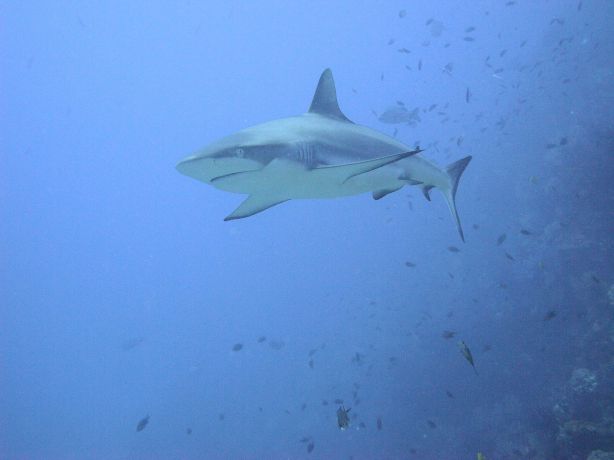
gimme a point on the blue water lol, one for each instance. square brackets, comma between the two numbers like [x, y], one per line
[123, 292]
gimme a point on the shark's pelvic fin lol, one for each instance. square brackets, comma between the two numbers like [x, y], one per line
[379, 194]
[325, 98]
[455, 170]
[254, 204]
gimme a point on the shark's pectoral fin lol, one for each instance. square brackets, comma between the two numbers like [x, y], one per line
[347, 171]
[378, 194]
[254, 204]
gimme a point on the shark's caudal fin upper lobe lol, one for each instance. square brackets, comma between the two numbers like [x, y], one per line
[455, 170]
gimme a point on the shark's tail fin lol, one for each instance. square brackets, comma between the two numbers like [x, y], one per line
[455, 170]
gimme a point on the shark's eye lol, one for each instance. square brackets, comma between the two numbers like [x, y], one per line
[239, 152]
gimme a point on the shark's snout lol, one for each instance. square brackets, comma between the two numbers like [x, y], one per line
[193, 166]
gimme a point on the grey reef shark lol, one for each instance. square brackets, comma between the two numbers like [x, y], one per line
[319, 154]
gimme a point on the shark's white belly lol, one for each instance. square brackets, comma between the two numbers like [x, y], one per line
[294, 181]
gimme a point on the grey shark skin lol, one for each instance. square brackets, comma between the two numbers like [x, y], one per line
[319, 154]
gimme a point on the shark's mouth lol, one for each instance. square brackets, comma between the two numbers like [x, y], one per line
[206, 169]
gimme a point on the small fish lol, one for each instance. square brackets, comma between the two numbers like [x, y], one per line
[277, 344]
[550, 315]
[453, 249]
[420, 64]
[469, 29]
[261, 339]
[188, 431]
[448, 68]
[338, 401]
[310, 447]
[132, 343]
[303, 406]
[579, 5]
[142, 423]
[449, 394]
[410, 264]
[413, 451]
[466, 352]
[379, 423]
[237, 347]
[509, 256]
[448, 334]
[563, 141]
[404, 50]
[400, 114]
[431, 424]
[468, 96]
[595, 279]
[221, 417]
[469, 39]
[402, 13]
[525, 232]
[310, 363]
[343, 420]
[551, 146]
[429, 21]
[358, 358]
[324, 402]
[501, 239]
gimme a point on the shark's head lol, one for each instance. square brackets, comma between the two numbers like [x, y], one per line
[231, 154]
[253, 148]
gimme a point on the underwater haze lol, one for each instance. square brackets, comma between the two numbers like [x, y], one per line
[135, 323]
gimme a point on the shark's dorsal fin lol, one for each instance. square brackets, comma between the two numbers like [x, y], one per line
[325, 98]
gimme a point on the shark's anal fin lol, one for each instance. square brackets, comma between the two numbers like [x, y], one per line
[379, 194]
[426, 191]
[253, 204]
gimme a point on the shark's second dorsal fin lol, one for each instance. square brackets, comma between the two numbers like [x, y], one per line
[325, 99]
